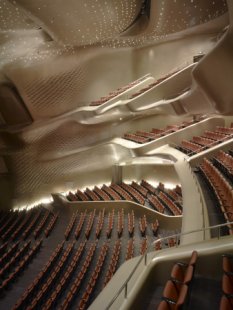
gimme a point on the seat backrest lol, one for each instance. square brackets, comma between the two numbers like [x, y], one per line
[225, 304]
[227, 284]
[182, 297]
[171, 291]
[188, 274]
[178, 273]
[193, 258]
[164, 305]
[226, 264]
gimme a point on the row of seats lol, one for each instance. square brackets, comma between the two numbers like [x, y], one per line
[70, 296]
[141, 189]
[71, 225]
[209, 139]
[134, 193]
[117, 92]
[111, 193]
[140, 193]
[151, 85]
[113, 262]
[8, 253]
[155, 133]
[35, 220]
[40, 278]
[169, 204]
[100, 223]
[224, 162]
[142, 222]
[110, 223]
[42, 293]
[130, 249]
[117, 188]
[80, 224]
[227, 283]
[22, 261]
[51, 224]
[42, 224]
[220, 187]
[3, 248]
[155, 227]
[14, 260]
[10, 223]
[47, 290]
[90, 223]
[120, 223]
[168, 242]
[175, 293]
[94, 278]
[99, 192]
[144, 245]
[156, 204]
[143, 225]
[20, 225]
[131, 223]
[53, 299]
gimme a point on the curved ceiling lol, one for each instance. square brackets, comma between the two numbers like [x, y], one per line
[57, 57]
[105, 22]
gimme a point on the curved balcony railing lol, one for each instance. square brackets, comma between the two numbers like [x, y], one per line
[122, 293]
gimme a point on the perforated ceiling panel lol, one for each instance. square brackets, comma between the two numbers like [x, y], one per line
[13, 18]
[89, 22]
[83, 57]
[50, 87]
[85, 22]
[35, 178]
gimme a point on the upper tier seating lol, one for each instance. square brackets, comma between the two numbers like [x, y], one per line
[117, 92]
[219, 181]
[160, 199]
[151, 85]
[206, 141]
[155, 133]
[227, 283]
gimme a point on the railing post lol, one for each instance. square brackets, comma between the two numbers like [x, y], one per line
[219, 232]
[145, 259]
[126, 289]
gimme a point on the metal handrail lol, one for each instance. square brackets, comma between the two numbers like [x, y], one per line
[193, 231]
[124, 286]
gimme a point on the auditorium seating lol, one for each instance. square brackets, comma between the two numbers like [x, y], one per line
[94, 277]
[61, 286]
[110, 223]
[130, 249]
[176, 289]
[218, 184]
[76, 284]
[144, 245]
[227, 282]
[95, 244]
[207, 140]
[71, 225]
[151, 85]
[100, 223]
[117, 92]
[155, 133]
[14, 261]
[168, 201]
[80, 224]
[113, 262]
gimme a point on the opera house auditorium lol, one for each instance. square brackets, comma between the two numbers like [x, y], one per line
[116, 154]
